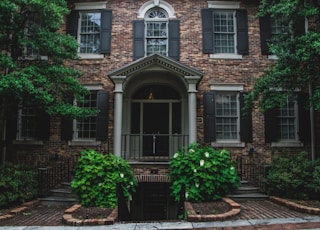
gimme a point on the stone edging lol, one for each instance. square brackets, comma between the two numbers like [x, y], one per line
[192, 216]
[295, 206]
[70, 220]
[13, 212]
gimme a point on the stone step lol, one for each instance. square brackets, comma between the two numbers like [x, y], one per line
[58, 201]
[66, 185]
[248, 196]
[63, 192]
[242, 189]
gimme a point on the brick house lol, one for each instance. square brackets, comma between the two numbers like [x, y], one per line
[165, 74]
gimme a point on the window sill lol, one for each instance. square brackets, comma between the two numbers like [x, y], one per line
[273, 57]
[293, 144]
[233, 144]
[84, 143]
[27, 142]
[225, 56]
[91, 56]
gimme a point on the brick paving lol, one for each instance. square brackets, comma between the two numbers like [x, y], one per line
[52, 216]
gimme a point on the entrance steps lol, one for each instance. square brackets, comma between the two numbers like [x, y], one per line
[62, 196]
[247, 192]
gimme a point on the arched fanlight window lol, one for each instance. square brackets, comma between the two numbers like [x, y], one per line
[156, 31]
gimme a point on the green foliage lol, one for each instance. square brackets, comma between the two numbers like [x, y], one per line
[97, 176]
[298, 55]
[293, 177]
[207, 174]
[39, 78]
[18, 183]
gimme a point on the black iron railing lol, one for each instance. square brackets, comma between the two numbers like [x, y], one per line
[253, 169]
[152, 147]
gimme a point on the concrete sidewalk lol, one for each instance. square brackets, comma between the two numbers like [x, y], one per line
[312, 222]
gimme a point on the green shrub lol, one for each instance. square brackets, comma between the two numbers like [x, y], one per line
[293, 176]
[97, 176]
[207, 174]
[18, 183]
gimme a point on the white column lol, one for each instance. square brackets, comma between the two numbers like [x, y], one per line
[192, 106]
[117, 125]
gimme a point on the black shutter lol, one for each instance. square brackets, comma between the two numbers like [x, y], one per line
[105, 36]
[43, 126]
[209, 116]
[72, 23]
[304, 118]
[272, 131]
[242, 32]
[138, 39]
[11, 126]
[66, 128]
[299, 26]
[174, 39]
[102, 117]
[245, 122]
[207, 31]
[265, 34]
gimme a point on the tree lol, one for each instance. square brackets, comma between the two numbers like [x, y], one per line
[298, 54]
[32, 60]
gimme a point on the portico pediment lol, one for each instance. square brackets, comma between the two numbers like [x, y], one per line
[155, 62]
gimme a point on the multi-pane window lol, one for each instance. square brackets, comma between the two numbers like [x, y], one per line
[156, 31]
[33, 23]
[287, 120]
[224, 31]
[27, 123]
[85, 128]
[227, 116]
[278, 26]
[90, 26]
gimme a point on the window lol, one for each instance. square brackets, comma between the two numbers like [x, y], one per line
[27, 123]
[91, 24]
[85, 128]
[289, 125]
[156, 32]
[89, 34]
[89, 130]
[224, 123]
[225, 32]
[227, 116]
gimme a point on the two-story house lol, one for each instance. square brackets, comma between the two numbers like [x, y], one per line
[165, 74]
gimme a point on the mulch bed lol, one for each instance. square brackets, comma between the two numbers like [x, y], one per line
[83, 213]
[208, 208]
[308, 203]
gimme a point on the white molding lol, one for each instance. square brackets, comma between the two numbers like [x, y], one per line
[90, 56]
[226, 56]
[150, 4]
[227, 87]
[230, 144]
[223, 5]
[90, 5]
[93, 87]
[284, 144]
[78, 142]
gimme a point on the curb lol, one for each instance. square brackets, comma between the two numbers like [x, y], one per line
[295, 206]
[13, 212]
[68, 219]
[193, 217]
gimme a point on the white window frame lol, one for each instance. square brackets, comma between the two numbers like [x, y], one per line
[155, 20]
[156, 3]
[229, 88]
[226, 5]
[84, 141]
[88, 7]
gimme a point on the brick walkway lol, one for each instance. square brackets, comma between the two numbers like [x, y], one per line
[51, 216]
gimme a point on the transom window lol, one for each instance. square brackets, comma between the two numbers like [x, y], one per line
[287, 120]
[86, 127]
[156, 31]
[90, 25]
[224, 31]
[227, 116]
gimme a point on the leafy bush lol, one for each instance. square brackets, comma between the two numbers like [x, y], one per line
[97, 176]
[293, 176]
[207, 174]
[18, 183]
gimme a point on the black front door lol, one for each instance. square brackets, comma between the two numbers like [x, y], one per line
[155, 129]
